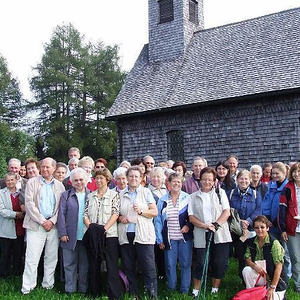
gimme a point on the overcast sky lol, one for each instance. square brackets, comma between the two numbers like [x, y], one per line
[26, 25]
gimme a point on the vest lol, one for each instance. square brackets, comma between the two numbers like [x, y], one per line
[101, 212]
[222, 235]
[144, 230]
[267, 254]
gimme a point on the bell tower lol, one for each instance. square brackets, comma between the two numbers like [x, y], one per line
[171, 26]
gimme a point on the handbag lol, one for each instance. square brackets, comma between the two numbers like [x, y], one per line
[255, 293]
[234, 222]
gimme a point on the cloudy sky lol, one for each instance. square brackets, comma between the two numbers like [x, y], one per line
[26, 25]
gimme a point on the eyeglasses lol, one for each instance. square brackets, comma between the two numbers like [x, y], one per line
[207, 180]
[260, 227]
[149, 163]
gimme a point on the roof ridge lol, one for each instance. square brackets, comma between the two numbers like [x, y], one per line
[247, 20]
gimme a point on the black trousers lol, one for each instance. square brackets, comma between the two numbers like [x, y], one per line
[143, 254]
[218, 260]
[239, 252]
[113, 281]
[11, 256]
[160, 261]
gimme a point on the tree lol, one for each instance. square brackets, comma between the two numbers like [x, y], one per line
[74, 87]
[13, 143]
[11, 101]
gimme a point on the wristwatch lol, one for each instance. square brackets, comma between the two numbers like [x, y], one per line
[273, 286]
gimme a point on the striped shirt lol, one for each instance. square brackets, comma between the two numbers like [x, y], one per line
[173, 220]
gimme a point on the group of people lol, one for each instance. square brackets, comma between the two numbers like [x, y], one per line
[82, 218]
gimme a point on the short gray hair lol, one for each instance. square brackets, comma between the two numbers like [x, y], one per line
[256, 167]
[148, 156]
[53, 161]
[158, 170]
[73, 160]
[73, 149]
[86, 159]
[10, 174]
[200, 158]
[14, 160]
[61, 165]
[125, 162]
[119, 171]
[79, 171]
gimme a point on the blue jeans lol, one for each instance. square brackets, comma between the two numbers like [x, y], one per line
[293, 246]
[182, 251]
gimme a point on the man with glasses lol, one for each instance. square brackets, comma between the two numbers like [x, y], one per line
[149, 163]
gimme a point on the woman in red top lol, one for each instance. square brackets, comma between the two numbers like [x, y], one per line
[88, 165]
[11, 228]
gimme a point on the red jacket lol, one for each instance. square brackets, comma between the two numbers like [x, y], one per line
[288, 209]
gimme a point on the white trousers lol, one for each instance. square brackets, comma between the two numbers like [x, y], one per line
[36, 240]
[250, 277]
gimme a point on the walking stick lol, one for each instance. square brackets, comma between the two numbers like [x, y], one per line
[201, 295]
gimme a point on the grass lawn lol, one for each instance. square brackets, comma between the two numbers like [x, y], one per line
[10, 289]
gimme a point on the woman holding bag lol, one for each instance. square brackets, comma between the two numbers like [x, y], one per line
[264, 250]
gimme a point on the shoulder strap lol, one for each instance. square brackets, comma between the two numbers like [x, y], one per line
[218, 194]
[231, 193]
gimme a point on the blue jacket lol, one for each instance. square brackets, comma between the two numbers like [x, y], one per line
[67, 220]
[161, 224]
[270, 203]
[247, 205]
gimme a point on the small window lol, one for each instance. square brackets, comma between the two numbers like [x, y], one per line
[166, 11]
[193, 11]
[175, 145]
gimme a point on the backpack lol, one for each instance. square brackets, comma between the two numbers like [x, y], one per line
[234, 220]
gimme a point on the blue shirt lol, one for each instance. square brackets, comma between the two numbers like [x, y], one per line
[47, 200]
[81, 201]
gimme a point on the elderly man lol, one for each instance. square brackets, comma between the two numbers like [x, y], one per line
[42, 195]
[149, 163]
[72, 164]
[14, 166]
[74, 152]
[192, 184]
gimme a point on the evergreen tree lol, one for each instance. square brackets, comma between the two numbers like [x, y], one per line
[74, 86]
[11, 102]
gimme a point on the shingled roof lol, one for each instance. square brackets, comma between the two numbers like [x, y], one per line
[256, 56]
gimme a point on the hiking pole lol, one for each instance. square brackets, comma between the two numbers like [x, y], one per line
[205, 268]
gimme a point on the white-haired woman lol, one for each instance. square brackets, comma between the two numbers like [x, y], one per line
[71, 229]
[136, 232]
[158, 188]
[88, 165]
[256, 183]
[125, 164]
[120, 179]
[157, 183]
[248, 204]
[11, 229]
